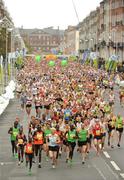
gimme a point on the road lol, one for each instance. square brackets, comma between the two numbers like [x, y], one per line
[108, 166]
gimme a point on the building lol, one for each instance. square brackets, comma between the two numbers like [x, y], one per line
[71, 41]
[42, 40]
[103, 30]
[5, 35]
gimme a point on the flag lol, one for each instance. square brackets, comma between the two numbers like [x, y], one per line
[1, 70]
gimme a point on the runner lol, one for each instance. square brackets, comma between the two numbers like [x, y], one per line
[13, 131]
[119, 128]
[38, 144]
[21, 141]
[71, 143]
[97, 135]
[29, 153]
[111, 130]
[53, 140]
[28, 104]
[38, 105]
[47, 132]
[82, 141]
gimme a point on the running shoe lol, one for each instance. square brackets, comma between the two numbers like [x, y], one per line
[39, 166]
[29, 172]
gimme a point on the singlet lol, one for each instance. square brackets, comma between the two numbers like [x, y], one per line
[15, 132]
[71, 136]
[53, 140]
[119, 123]
[29, 148]
[82, 135]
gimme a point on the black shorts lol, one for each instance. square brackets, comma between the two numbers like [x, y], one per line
[98, 137]
[82, 143]
[47, 107]
[89, 138]
[110, 130]
[65, 142]
[119, 129]
[18, 92]
[111, 103]
[72, 144]
[55, 148]
[37, 107]
[28, 105]
[103, 134]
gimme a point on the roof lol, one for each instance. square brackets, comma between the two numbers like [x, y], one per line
[50, 31]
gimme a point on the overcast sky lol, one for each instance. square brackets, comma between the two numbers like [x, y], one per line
[45, 13]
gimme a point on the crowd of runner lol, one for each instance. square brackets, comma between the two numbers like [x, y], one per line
[67, 108]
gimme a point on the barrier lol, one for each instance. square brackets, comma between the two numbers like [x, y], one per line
[7, 96]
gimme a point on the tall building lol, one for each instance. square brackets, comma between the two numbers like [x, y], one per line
[5, 35]
[103, 30]
[42, 40]
[70, 43]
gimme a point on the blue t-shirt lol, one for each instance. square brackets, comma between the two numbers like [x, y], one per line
[67, 114]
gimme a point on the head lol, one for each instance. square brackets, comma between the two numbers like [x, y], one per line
[53, 131]
[119, 115]
[97, 121]
[30, 140]
[21, 130]
[72, 127]
[15, 124]
[57, 127]
[39, 128]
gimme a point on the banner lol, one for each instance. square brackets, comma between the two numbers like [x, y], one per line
[1, 69]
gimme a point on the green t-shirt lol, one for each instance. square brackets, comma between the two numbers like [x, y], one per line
[47, 132]
[71, 136]
[119, 122]
[107, 109]
[15, 132]
[82, 135]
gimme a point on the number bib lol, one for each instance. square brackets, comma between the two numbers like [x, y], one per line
[98, 132]
[20, 141]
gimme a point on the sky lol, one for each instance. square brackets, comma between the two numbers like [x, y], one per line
[46, 13]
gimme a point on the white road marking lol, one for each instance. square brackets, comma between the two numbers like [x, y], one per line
[6, 163]
[115, 165]
[99, 171]
[106, 154]
[122, 175]
[110, 169]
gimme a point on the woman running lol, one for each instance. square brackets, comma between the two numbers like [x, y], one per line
[28, 104]
[53, 140]
[29, 153]
[71, 143]
[82, 135]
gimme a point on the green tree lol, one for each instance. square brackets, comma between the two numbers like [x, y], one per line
[30, 49]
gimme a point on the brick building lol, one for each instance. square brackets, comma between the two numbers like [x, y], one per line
[42, 40]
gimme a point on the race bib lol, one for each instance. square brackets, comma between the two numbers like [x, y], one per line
[72, 136]
[98, 132]
[15, 134]
[29, 149]
[20, 141]
[39, 136]
[67, 114]
[119, 126]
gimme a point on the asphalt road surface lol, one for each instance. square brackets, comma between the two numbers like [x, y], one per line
[108, 166]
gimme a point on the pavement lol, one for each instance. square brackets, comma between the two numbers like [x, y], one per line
[108, 166]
